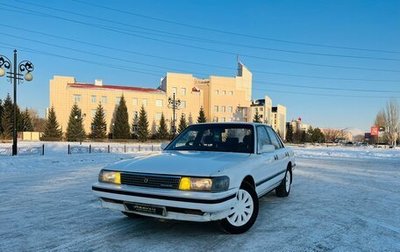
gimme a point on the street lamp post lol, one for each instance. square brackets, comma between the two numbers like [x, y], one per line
[15, 75]
[174, 104]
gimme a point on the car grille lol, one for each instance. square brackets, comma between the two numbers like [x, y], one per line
[150, 180]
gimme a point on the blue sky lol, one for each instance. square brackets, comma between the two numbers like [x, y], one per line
[139, 41]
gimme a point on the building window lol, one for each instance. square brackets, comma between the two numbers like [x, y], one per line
[215, 119]
[104, 99]
[77, 97]
[183, 91]
[93, 99]
[223, 109]
[261, 109]
[174, 90]
[158, 116]
[159, 103]
[117, 100]
[230, 109]
[230, 93]
[93, 112]
[217, 92]
[134, 102]
[215, 108]
[144, 102]
[223, 119]
[183, 104]
[224, 92]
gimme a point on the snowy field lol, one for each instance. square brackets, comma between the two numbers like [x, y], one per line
[342, 199]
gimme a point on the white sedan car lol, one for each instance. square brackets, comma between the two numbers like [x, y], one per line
[209, 172]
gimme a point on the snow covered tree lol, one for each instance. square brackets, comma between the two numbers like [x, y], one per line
[143, 126]
[182, 123]
[202, 117]
[7, 118]
[52, 131]
[257, 117]
[392, 121]
[99, 125]
[162, 131]
[121, 128]
[75, 130]
[26, 121]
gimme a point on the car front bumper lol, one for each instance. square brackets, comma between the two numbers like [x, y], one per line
[179, 205]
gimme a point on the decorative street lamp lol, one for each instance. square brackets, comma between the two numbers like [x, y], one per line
[174, 104]
[15, 75]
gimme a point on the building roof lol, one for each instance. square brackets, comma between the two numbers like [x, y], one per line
[115, 87]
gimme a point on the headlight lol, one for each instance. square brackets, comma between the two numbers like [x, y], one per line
[110, 177]
[217, 184]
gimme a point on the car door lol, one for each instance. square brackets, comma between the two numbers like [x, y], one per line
[281, 155]
[267, 165]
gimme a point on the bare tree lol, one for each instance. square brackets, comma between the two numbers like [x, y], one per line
[392, 121]
[380, 122]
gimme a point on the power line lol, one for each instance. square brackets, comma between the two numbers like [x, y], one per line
[230, 32]
[163, 67]
[325, 88]
[194, 38]
[123, 68]
[198, 47]
[190, 62]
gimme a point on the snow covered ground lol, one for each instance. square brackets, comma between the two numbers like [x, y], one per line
[342, 199]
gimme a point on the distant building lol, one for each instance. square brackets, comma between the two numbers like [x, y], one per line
[278, 120]
[298, 124]
[223, 99]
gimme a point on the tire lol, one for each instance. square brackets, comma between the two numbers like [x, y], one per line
[131, 215]
[283, 189]
[244, 213]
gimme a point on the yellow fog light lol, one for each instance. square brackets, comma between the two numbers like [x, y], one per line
[110, 177]
[184, 184]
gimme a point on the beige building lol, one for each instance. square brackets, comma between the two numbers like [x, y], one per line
[223, 99]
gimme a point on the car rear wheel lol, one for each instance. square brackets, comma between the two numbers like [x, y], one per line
[244, 213]
[283, 189]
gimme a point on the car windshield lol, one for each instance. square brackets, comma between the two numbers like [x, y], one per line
[215, 137]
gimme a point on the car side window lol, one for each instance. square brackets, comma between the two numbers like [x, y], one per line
[263, 138]
[274, 139]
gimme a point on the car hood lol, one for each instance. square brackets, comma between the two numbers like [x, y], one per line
[184, 163]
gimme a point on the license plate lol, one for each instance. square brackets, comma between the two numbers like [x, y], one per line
[148, 209]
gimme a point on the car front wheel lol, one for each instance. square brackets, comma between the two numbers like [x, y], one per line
[244, 213]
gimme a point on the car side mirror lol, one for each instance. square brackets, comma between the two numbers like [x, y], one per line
[267, 148]
[163, 146]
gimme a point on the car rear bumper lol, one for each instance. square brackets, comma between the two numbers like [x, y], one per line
[179, 205]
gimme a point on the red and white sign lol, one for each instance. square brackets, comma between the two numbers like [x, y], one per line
[374, 131]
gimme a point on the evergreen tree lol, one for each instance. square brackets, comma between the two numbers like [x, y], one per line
[317, 136]
[303, 135]
[75, 130]
[135, 126]
[190, 119]
[162, 131]
[121, 129]
[99, 125]
[52, 131]
[7, 118]
[289, 133]
[1, 115]
[202, 117]
[257, 117]
[143, 126]
[309, 133]
[182, 123]
[26, 121]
